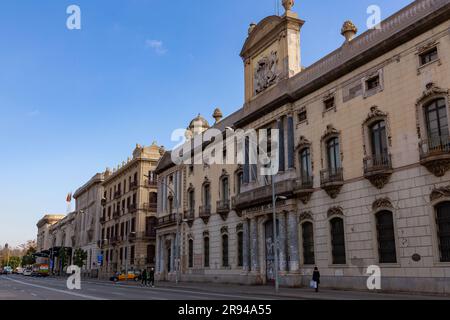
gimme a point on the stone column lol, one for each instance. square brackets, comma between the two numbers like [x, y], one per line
[254, 245]
[290, 142]
[246, 247]
[293, 250]
[281, 149]
[158, 255]
[282, 241]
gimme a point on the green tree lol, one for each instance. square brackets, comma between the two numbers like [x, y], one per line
[79, 257]
[63, 258]
[14, 262]
[28, 258]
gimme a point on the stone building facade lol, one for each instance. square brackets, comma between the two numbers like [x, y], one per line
[87, 222]
[44, 242]
[364, 162]
[128, 217]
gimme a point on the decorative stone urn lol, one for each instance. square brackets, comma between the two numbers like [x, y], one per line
[349, 30]
[288, 4]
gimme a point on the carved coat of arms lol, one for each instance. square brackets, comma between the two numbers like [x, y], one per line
[266, 72]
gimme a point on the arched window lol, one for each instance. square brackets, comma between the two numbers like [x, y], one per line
[437, 122]
[443, 228]
[305, 166]
[225, 262]
[379, 143]
[206, 251]
[338, 241]
[386, 237]
[191, 253]
[191, 203]
[333, 152]
[240, 237]
[308, 243]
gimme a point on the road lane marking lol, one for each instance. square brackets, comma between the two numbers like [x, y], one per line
[57, 290]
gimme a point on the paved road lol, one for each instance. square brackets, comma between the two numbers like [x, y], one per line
[16, 287]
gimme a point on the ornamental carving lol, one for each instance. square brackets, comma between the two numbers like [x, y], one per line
[437, 167]
[307, 215]
[239, 227]
[266, 72]
[330, 131]
[375, 113]
[335, 211]
[303, 143]
[333, 190]
[288, 4]
[382, 203]
[224, 230]
[439, 193]
[205, 234]
[379, 179]
[431, 90]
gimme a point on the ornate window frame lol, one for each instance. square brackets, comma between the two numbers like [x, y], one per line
[380, 205]
[305, 217]
[368, 93]
[332, 213]
[375, 115]
[331, 94]
[422, 49]
[432, 92]
[330, 133]
[437, 196]
[303, 144]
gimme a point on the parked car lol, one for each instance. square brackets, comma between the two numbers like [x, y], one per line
[27, 272]
[19, 270]
[7, 270]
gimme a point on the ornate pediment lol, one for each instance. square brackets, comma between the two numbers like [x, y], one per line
[439, 193]
[266, 72]
[306, 215]
[303, 142]
[382, 203]
[431, 90]
[375, 114]
[335, 211]
[260, 32]
[329, 132]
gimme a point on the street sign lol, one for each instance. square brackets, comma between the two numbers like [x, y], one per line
[100, 260]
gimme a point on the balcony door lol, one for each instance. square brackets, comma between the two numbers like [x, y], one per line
[334, 156]
[437, 122]
[305, 165]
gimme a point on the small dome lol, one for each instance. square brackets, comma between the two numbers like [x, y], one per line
[198, 125]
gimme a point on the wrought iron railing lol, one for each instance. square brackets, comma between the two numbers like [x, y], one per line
[377, 162]
[331, 175]
[223, 205]
[434, 146]
[205, 211]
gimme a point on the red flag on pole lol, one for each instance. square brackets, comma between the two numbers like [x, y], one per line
[69, 197]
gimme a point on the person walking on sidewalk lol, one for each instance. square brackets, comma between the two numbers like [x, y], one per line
[151, 277]
[316, 278]
[144, 278]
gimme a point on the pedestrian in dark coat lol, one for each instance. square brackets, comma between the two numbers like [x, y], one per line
[144, 278]
[151, 277]
[316, 278]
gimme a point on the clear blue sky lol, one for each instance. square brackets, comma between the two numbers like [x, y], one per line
[74, 102]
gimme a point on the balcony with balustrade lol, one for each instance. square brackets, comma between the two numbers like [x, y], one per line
[189, 216]
[205, 213]
[332, 180]
[117, 194]
[378, 169]
[263, 195]
[304, 188]
[116, 214]
[150, 206]
[167, 221]
[132, 208]
[435, 154]
[223, 207]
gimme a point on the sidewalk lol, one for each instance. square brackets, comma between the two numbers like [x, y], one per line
[289, 293]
